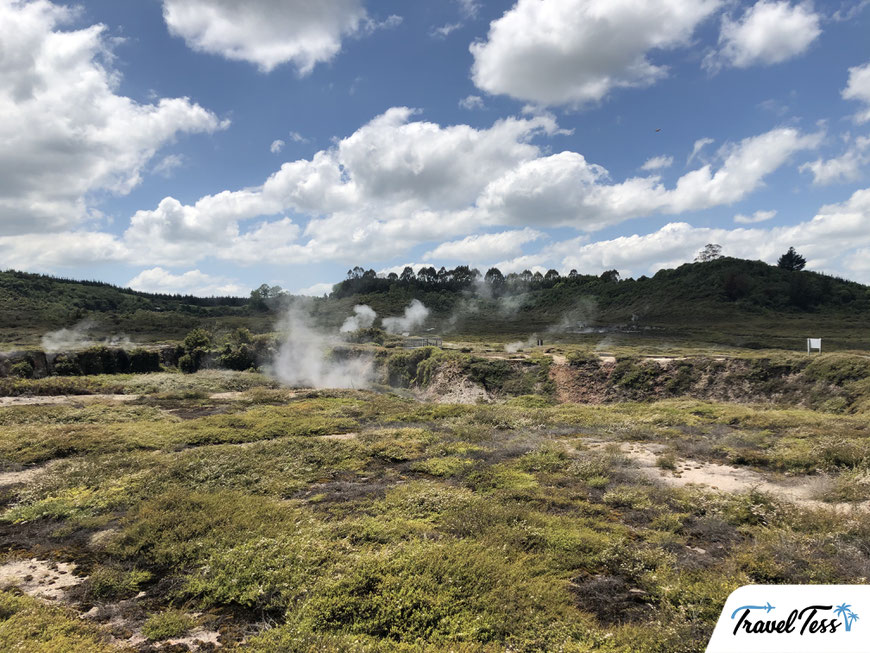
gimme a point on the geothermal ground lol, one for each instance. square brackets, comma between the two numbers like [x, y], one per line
[529, 501]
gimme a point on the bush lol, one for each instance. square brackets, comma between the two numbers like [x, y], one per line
[197, 339]
[171, 623]
[189, 363]
[143, 361]
[22, 369]
[66, 366]
[239, 357]
[115, 583]
[102, 360]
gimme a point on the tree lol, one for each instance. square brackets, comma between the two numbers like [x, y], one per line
[552, 276]
[573, 274]
[710, 252]
[427, 275]
[610, 276]
[462, 276]
[791, 260]
[494, 277]
[407, 275]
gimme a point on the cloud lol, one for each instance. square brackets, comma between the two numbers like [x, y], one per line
[844, 168]
[485, 247]
[767, 33]
[565, 190]
[269, 33]
[445, 30]
[276, 146]
[831, 242]
[758, 216]
[52, 250]
[471, 102]
[192, 282]
[399, 182]
[168, 164]
[699, 145]
[658, 162]
[67, 134]
[858, 88]
[573, 52]
[469, 8]
[316, 290]
[296, 137]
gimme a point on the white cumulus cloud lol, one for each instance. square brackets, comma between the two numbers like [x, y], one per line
[847, 167]
[758, 216]
[485, 247]
[572, 52]
[831, 241]
[269, 33]
[192, 282]
[858, 88]
[66, 133]
[658, 162]
[769, 32]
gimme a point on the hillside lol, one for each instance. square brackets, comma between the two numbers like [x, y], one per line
[33, 304]
[727, 301]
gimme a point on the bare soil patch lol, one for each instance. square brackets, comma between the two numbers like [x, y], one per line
[40, 578]
[726, 478]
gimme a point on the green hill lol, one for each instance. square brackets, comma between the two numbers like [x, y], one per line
[33, 304]
[727, 301]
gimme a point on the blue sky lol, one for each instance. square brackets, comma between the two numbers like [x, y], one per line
[209, 146]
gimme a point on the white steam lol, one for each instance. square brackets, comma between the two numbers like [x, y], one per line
[415, 315]
[363, 317]
[306, 359]
[514, 347]
[78, 337]
[67, 339]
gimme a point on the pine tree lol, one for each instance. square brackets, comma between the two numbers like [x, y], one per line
[791, 260]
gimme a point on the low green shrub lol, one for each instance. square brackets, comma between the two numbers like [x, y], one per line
[167, 624]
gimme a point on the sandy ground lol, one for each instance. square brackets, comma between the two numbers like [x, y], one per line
[76, 399]
[39, 578]
[23, 476]
[62, 399]
[727, 478]
[338, 436]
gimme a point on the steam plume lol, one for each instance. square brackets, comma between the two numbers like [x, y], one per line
[415, 314]
[305, 358]
[363, 317]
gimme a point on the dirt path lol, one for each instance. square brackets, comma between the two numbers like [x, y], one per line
[23, 476]
[339, 436]
[49, 400]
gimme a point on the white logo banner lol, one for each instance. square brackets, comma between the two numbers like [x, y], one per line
[794, 619]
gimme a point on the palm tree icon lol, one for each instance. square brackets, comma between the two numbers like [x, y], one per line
[844, 610]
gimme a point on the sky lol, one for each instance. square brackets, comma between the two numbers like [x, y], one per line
[210, 146]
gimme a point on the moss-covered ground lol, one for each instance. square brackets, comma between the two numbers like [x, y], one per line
[364, 521]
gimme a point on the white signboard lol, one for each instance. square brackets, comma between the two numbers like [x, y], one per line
[814, 343]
